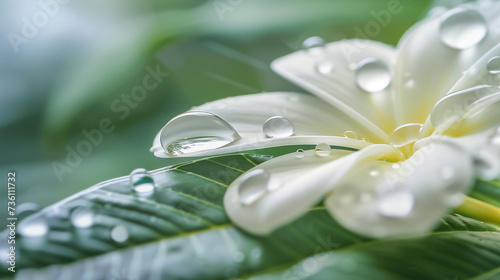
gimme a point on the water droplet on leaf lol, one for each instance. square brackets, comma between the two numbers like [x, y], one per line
[351, 134]
[462, 28]
[142, 182]
[82, 217]
[313, 45]
[372, 75]
[33, 228]
[119, 234]
[193, 132]
[278, 127]
[325, 67]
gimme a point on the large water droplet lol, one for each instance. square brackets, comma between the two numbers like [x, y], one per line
[372, 75]
[142, 182]
[462, 28]
[278, 127]
[119, 234]
[493, 65]
[323, 150]
[325, 67]
[313, 45]
[33, 228]
[396, 204]
[193, 132]
[82, 217]
[299, 153]
[405, 134]
[255, 184]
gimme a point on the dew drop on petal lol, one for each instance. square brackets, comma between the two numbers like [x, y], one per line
[396, 204]
[323, 150]
[405, 134]
[278, 127]
[119, 234]
[462, 28]
[374, 173]
[299, 153]
[313, 45]
[142, 182]
[372, 75]
[82, 217]
[495, 140]
[325, 67]
[255, 184]
[351, 134]
[493, 65]
[396, 166]
[193, 132]
[33, 228]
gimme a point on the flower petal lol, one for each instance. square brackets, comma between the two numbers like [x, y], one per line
[379, 200]
[236, 124]
[282, 189]
[341, 84]
[427, 68]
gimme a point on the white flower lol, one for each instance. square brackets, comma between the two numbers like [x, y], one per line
[410, 128]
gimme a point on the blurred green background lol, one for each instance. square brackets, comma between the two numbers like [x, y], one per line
[66, 72]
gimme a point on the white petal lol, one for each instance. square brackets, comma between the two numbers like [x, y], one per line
[339, 87]
[427, 69]
[297, 184]
[314, 122]
[405, 200]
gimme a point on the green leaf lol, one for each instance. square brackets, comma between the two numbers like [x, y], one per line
[182, 232]
[487, 191]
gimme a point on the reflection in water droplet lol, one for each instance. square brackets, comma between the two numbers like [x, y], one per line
[82, 217]
[396, 204]
[278, 127]
[33, 228]
[372, 75]
[405, 134]
[193, 132]
[324, 67]
[493, 65]
[142, 182]
[299, 153]
[351, 134]
[313, 45]
[462, 28]
[255, 184]
[119, 234]
[323, 150]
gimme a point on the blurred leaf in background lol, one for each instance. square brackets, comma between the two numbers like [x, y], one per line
[84, 73]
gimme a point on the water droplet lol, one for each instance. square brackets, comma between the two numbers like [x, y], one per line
[447, 173]
[119, 234]
[142, 182]
[33, 228]
[278, 127]
[82, 217]
[495, 140]
[396, 166]
[372, 75]
[313, 45]
[396, 204]
[405, 134]
[493, 65]
[410, 83]
[323, 150]
[462, 28]
[374, 173]
[325, 67]
[351, 134]
[299, 153]
[255, 184]
[193, 132]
